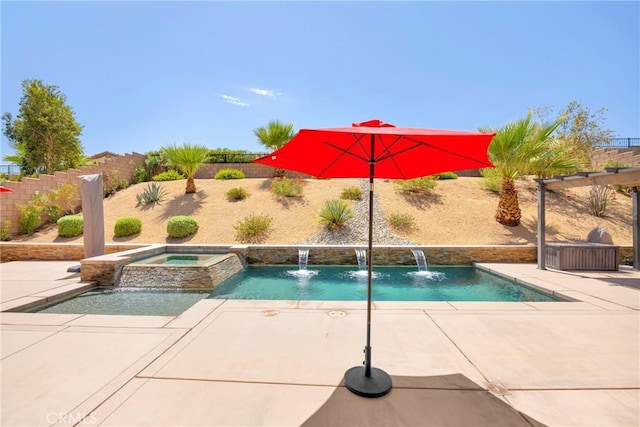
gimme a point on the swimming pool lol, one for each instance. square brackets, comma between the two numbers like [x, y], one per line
[389, 284]
[324, 283]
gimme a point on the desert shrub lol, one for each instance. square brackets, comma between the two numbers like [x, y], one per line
[70, 226]
[417, 185]
[237, 193]
[180, 226]
[111, 182]
[127, 226]
[66, 198]
[170, 175]
[598, 199]
[140, 174]
[351, 193]
[285, 187]
[335, 214]
[229, 174]
[253, 229]
[491, 179]
[152, 194]
[402, 222]
[446, 175]
[5, 234]
[29, 217]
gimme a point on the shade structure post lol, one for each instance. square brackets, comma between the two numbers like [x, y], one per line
[542, 262]
[636, 228]
[367, 381]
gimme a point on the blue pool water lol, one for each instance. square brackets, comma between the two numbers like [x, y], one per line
[316, 283]
[129, 301]
[389, 284]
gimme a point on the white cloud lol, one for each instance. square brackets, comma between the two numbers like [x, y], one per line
[234, 101]
[265, 92]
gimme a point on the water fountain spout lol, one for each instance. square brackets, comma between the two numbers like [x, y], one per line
[303, 257]
[421, 260]
[361, 255]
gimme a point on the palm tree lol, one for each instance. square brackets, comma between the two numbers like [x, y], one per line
[188, 158]
[274, 136]
[521, 148]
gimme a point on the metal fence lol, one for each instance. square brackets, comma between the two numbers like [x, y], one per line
[233, 157]
[621, 143]
[10, 169]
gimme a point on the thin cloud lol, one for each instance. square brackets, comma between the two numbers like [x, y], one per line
[265, 92]
[234, 101]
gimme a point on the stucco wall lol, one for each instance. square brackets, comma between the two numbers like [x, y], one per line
[24, 191]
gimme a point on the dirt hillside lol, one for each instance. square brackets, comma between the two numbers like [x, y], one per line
[456, 212]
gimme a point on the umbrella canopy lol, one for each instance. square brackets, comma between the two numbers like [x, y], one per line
[4, 189]
[398, 153]
[375, 149]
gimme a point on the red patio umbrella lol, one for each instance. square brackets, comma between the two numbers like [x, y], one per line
[375, 149]
[4, 189]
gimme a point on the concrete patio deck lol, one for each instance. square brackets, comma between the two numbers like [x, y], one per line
[246, 363]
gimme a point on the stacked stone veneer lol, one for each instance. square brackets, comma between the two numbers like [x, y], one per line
[23, 191]
[206, 276]
[391, 255]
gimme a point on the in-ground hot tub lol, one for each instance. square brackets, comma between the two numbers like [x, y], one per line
[178, 270]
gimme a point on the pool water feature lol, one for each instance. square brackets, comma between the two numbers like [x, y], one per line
[128, 301]
[178, 270]
[389, 284]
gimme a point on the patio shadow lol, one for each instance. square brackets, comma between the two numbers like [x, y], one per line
[444, 400]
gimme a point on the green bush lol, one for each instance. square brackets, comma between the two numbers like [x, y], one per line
[5, 234]
[70, 226]
[402, 222]
[285, 187]
[351, 193]
[127, 226]
[491, 180]
[152, 194]
[29, 217]
[335, 214]
[140, 174]
[181, 226]
[237, 193]
[229, 174]
[417, 185]
[253, 229]
[446, 175]
[170, 175]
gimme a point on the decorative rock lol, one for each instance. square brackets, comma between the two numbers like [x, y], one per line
[600, 235]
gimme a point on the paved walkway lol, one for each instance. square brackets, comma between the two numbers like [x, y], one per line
[281, 362]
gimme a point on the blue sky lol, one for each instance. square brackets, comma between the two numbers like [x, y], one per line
[140, 75]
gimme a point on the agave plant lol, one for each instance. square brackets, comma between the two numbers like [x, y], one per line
[152, 194]
[335, 214]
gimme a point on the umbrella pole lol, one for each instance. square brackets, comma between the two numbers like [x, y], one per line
[364, 380]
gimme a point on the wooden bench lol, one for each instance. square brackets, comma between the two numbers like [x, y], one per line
[582, 256]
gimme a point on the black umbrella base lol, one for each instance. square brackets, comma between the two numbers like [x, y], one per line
[377, 385]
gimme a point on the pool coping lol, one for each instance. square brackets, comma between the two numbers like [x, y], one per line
[603, 304]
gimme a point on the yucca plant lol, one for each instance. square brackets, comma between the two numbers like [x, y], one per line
[152, 194]
[335, 214]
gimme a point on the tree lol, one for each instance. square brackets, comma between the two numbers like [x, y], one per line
[582, 130]
[45, 134]
[274, 136]
[188, 158]
[521, 148]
